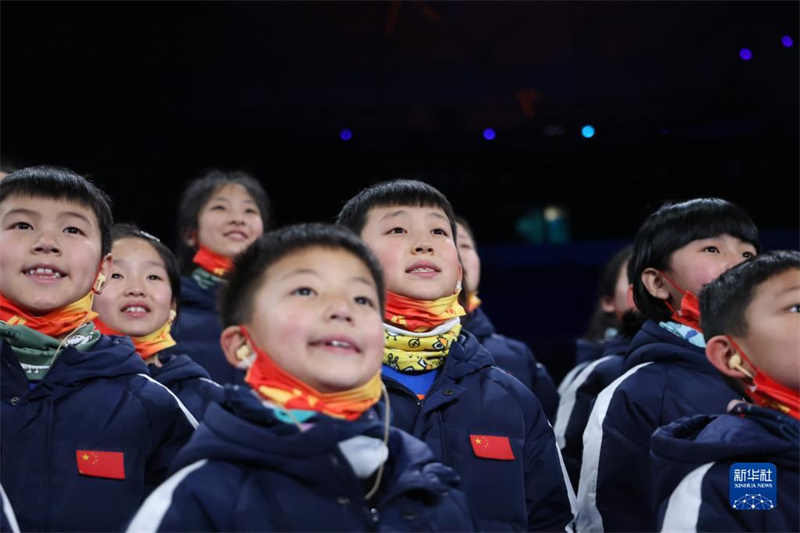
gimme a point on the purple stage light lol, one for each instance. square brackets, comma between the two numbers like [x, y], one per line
[787, 41]
[345, 134]
[745, 54]
[488, 134]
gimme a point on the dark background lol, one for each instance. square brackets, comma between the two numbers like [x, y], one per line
[144, 96]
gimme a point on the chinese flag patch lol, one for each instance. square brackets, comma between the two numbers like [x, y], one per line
[109, 465]
[491, 447]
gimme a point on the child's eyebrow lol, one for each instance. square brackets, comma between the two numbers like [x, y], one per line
[22, 211]
[394, 214]
[299, 271]
[148, 263]
[438, 215]
[75, 214]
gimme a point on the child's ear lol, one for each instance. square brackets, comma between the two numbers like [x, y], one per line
[103, 274]
[460, 278]
[190, 237]
[721, 353]
[655, 283]
[234, 343]
[607, 304]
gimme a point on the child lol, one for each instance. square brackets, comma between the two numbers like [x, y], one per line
[613, 326]
[443, 384]
[86, 433]
[751, 318]
[511, 355]
[679, 248]
[220, 214]
[302, 448]
[140, 300]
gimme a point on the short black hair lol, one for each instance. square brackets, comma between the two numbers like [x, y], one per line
[59, 183]
[235, 301]
[671, 227]
[724, 301]
[128, 230]
[398, 192]
[606, 287]
[196, 196]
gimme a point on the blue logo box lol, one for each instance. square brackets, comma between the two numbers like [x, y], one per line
[753, 486]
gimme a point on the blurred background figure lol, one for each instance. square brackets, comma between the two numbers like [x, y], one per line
[513, 356]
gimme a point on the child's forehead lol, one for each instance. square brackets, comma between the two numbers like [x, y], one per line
[381, 212]
[312, 260]
[47, 205]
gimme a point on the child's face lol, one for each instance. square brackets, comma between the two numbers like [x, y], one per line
[137, 298]
[772, 342]
[316, 314]
[470, 258]
[416, 249]
[703, 260]
[618, 303]
[229, 222]
[51, 251]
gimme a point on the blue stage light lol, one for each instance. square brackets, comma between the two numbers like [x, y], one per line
[345, 134]
[787, 41]
[587, 132]
[746, 54]
[488, 134]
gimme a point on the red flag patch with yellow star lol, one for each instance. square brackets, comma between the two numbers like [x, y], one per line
[109, 465]
[492, 447]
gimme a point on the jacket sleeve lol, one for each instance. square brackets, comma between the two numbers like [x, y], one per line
[614, 488]
[171, 426]
[548, 494]
[192, 499]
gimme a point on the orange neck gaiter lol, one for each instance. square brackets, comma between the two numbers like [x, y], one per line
[281, 388]
[55, 323]
[212, 262]
[421, 315]
[148, 345]
[473, 302]
[689, 312]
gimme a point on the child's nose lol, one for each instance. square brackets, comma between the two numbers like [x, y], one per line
[339, 309]
[423, 247]
[46, 243]
[134, 289]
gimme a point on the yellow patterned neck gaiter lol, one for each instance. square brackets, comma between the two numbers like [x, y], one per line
[418, 352]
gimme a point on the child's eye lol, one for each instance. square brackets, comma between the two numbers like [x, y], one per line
[154, 277]
[748, 255]
[711, 249]
[363, 300]
[397, 230]
[795, 308]
[303, 291]
[440, 231]
[251, 211]
[22, 225]
[217, 208]
[116, 275]
[73, 230]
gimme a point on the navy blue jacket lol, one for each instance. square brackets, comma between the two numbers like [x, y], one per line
[692, 459]
[187, 380]
[102, 400]
[244, 470]
[576, 405]
[517, 359]
[664, 378]
[588, 351]
[471, 397]
[197, 331]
